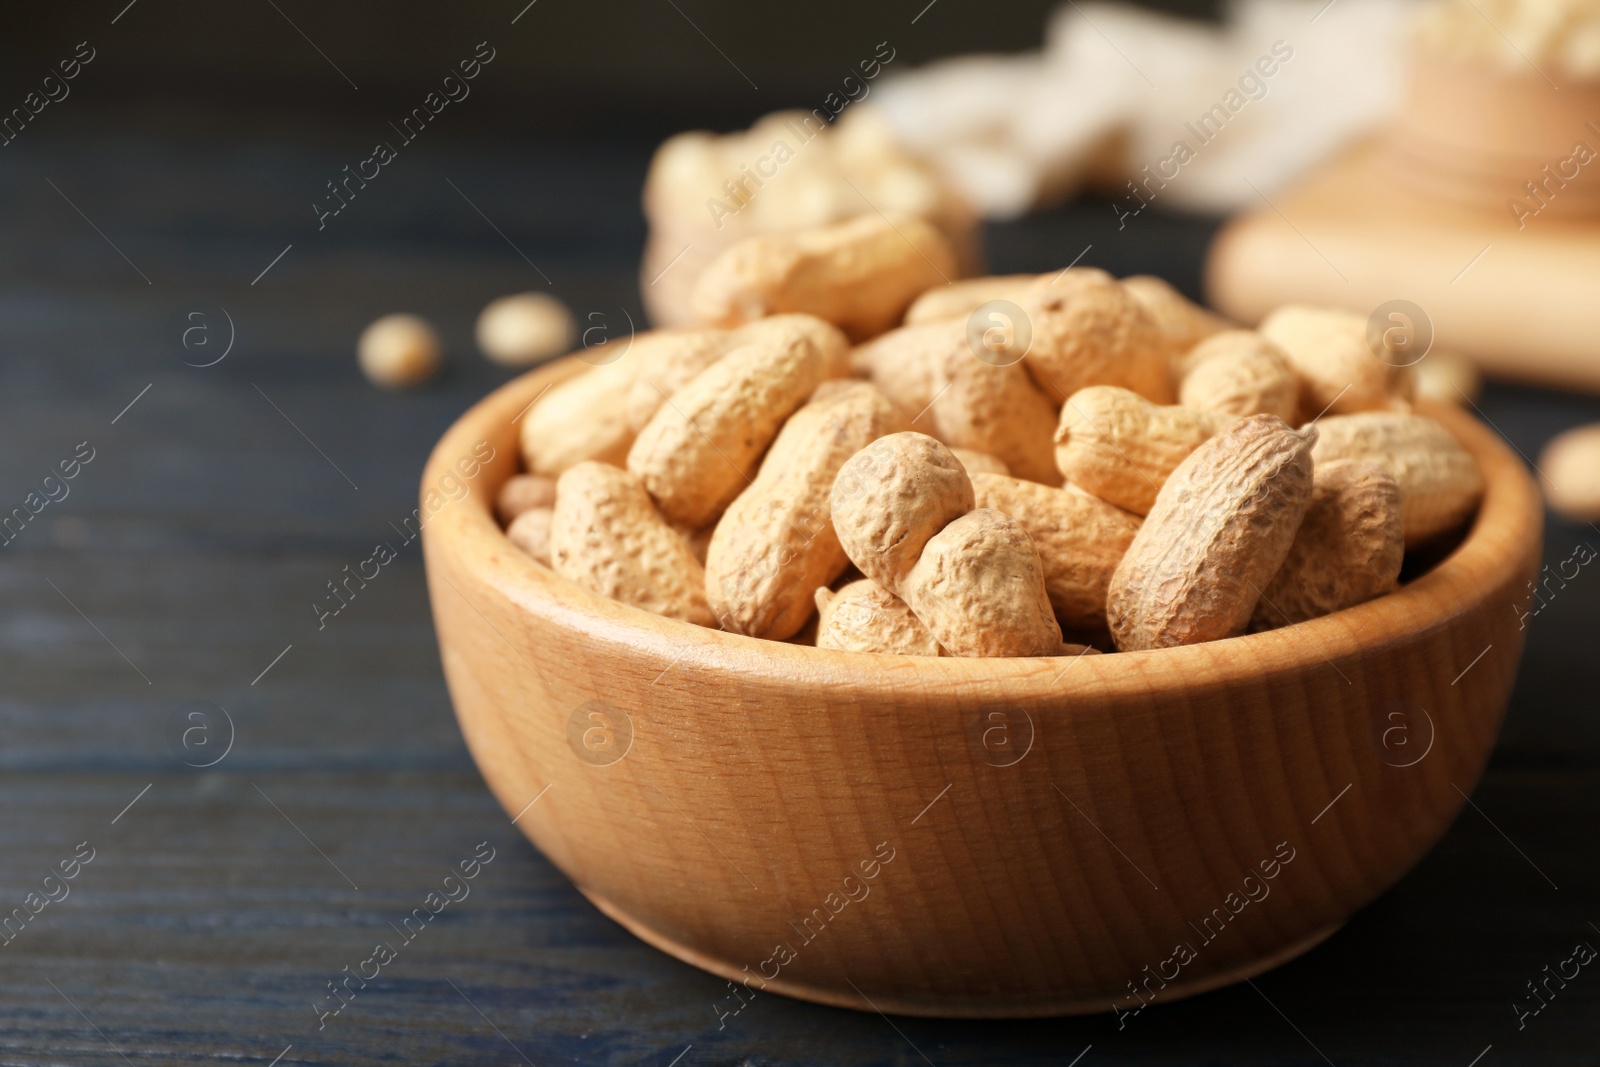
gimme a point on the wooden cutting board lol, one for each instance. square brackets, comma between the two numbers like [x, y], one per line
[1523, 302]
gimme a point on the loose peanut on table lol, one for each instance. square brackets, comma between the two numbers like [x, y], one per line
[699, 452]
[859, 275]
[524, 328]
[1439, 482]
[1348, 550]
[863, 616]
[1448, 378]
[776, 542]
[1220, 529]
[1120, 447]
[607, 536]
[398, 350]
[1570, 465]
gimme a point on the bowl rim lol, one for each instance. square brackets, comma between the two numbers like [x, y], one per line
[1488, 558]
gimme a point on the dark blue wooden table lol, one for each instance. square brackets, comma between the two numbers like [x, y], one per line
[248, 803]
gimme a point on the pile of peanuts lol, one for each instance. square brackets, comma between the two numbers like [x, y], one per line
[706, 192]
[848, 451]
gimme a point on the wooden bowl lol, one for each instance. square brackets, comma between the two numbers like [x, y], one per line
[1476, 136]
[961, 837]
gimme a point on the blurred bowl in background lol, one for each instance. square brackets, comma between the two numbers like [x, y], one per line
[1481, 136]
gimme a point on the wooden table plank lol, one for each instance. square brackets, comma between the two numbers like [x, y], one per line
[207, 922]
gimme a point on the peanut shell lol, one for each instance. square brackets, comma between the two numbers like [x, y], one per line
[979, 588]
[891, 497]
[1221, 527]
[681, 356]
[993, 408]
[523, 492]
[1183, 322]
[786, 328]
[1080, 540]
[776, 542]
[530, 531]
[1570, 465]
[699, 452]
[607, 536]
[1087, 330]
[860, 275]
[1348, 550]
[980, 462]
[582, 418]
[1338, 372]
[961, 298]
[1122, 448]
[1447, 378]
[1440, 485]
[1238, 373]
[904, 364]
[863, 616]
[592, 415]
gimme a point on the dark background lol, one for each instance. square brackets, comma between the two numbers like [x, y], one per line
[592, 69]
[191, 548]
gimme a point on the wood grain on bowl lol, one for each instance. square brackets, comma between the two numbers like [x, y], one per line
[944, 836]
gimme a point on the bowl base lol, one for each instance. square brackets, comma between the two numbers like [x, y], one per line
[945, 1006]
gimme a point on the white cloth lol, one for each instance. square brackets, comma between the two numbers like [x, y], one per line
[1114, 85]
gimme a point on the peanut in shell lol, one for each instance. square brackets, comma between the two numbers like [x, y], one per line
[891, 497]
[860, 275]
[863, 616]
[697, 453]
[1237, 373]
[1440, 484]
[1087, 330]
[607, 536]
[1120, 447]
[1080, 540]
[776, 542]
[979, 588]
[1221, 527]
[1348, 549]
